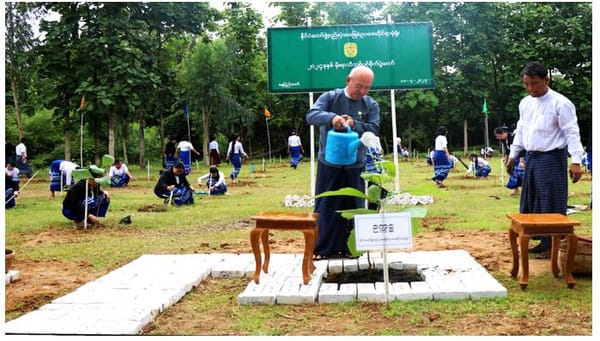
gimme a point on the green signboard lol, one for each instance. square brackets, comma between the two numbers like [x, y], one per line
[305, 59]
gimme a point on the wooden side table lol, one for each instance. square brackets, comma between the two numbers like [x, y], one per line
[525, 225]
[265, 221]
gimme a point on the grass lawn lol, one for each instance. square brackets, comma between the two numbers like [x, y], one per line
[42, 236]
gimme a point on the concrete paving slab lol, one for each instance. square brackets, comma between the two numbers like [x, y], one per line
[123, 301]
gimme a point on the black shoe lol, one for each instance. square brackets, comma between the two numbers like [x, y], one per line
[538, 249]
[125, 221]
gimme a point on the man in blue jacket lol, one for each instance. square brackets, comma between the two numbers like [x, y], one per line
[340, 109]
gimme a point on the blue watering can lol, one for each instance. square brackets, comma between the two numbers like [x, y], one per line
[342, 147]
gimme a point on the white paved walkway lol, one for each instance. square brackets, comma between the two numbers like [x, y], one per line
[125, 300]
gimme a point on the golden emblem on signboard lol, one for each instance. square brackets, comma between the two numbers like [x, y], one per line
[350, 49]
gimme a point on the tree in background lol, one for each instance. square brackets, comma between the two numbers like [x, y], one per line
[19, 41]
[124, 57]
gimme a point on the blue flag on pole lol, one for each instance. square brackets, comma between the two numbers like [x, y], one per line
[185, 109]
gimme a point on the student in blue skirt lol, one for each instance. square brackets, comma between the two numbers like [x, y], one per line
[295, 149]
[235, 152]
[184, 150]
[119, 174]
[61, 175]
[440, 159]
[98, 201]
[215, 181]
[479, 167]
[173, 186]
[11, 191]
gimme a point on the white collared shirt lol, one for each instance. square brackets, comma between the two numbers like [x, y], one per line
[547, 123]
[294, 141]
[441, 142]
[185, 146]
[213, 145]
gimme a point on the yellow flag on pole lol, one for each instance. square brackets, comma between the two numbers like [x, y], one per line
[267, 113]
[82, 104]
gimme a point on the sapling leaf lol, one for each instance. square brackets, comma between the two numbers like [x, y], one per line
[352, 245]
[349, 214]
[346, 191]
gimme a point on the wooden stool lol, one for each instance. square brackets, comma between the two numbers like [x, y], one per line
[265, 221]
[541, 224]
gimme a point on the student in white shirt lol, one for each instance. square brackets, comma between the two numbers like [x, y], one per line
[61, 175]
[184, 150]
[213, 150]
[295, 149]
[441, 163]
[235, 151]
[119, 174]
[479, 167]
[216, 181]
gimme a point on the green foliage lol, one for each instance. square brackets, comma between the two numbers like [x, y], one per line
[125, 57]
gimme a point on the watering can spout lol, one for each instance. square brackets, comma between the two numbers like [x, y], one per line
[353, 147]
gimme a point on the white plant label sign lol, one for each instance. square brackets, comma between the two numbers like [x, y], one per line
[383, 231]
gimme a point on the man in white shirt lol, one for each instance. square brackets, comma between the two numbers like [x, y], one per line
[547, 129]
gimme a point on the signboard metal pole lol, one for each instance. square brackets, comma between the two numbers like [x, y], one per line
[395, 137]
[313, 179]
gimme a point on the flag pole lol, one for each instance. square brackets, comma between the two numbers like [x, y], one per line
[187, 117]
[484, 110]
[81, 105]
[267, 116]
[268, 137]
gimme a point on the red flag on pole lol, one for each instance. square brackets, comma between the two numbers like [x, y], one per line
[82, 104]
[267, 113]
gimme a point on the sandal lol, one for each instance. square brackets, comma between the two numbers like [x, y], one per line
[543, 255]
[319, 257]
[538, 249]
[347, 255]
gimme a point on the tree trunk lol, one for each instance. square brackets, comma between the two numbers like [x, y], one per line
[111, 133]
[13, 85]
[124, 141]
[67, 136]
[96, 144]
[162, 140]
[13, 70]
[205, 134]
[142, 140]
[465, 139]
[409, 146]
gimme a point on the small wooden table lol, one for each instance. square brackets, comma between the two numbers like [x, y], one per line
[265, 221]
[525, 225]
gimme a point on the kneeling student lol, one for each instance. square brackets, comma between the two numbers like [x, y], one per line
[119, 174]
[479, 167]
[173, 184]
[73, 206]
[215, 183]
